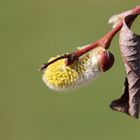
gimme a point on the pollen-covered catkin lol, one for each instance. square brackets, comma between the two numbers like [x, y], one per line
[60, 77]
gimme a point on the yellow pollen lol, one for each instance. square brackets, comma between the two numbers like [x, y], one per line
[61, 76]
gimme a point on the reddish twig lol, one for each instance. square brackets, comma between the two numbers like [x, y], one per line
[104, 42]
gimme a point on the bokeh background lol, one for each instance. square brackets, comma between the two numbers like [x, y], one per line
[31, 31]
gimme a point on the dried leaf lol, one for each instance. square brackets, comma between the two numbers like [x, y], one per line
[130, 49]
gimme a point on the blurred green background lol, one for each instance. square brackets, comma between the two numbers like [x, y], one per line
[31, 31]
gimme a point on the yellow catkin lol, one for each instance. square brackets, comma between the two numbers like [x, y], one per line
[60, 77]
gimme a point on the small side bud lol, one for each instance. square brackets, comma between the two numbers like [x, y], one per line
[105, 60]
[71, 59]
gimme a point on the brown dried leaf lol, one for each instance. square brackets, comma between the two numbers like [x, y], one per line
[130, 49]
